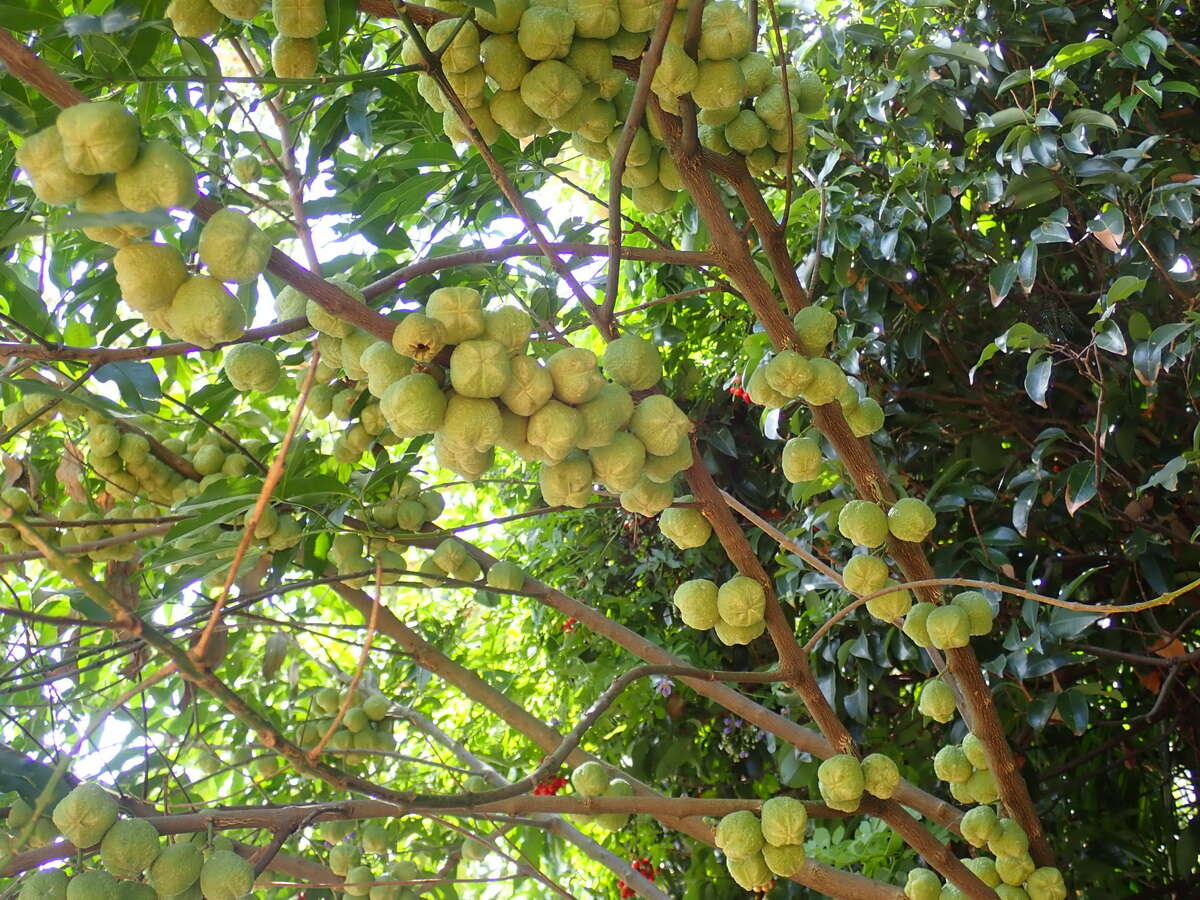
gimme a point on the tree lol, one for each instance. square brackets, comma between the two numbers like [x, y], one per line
[764, 414]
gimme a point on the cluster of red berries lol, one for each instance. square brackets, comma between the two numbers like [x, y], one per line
[569, 625]
[645, 867]
[548, 787]
[736, 389]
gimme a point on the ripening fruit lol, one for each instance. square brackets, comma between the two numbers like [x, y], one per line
[1046, 883]
[129, 847]
[1011, 840]
[294, 57]
[973, 747]
[161, 178]
[85, 814]
[251, 367]
[915, 621]
[784, 860]
[789, 373]
[948, 627]
[802, 459]
[176, 869]
[910, 519]
[881, 776]
[864, 574]
[1015, 870]
[590, 779]
[784, 820]
[979, 825]
[922, 884]
[739, 834]
[685, 526]
[890, 606]
[98, 138]
[937, 701]
[978, 610]
[696, 601]
[741, 601]
[632, 362]
[951, 764]
[863, 523]
[828, 382]
[233, 248]
[841, 782]
[43, 159]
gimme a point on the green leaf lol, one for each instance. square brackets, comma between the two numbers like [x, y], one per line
[1067, 623]
[137, 383]
[1089, 117]
[1072, 54]
[1125, 286]
[1022, 336]
[1027, 266]
[1109, 337]
[1022, 507]
[1080, 486]
[1037, 376]
[1167, 476]
[1073, 707]
[1000, 281]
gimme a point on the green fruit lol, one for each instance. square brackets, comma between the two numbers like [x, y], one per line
[204, 313]
[41, 156]
[129, 848]
[241, 10]
[948, 627]
[458, 46]
[633, 362]
[344, 857]
[359, 879]
[505, 19]
[982, 787]
[595, 18]
[568, 483]
[1014, 870]
[815, 328]
[741, 601]
[802, 460]
[460, 311]
[1010, 841]
[751, 873]
[808, 90]
[646, 497]
[638, 16]
[590, 779]
[863, 523]
[85, 814]
[414, 405]
[737, 635]
[251, 367]
[480, 368]
[659, 424]
[840, 779]
[740, 834]
[550, 89]
[978, 610]
[470, 423]
[788, 373]
[419, 337]
[529, 388]
[176, 868]
[294, 57]
[922, 884]
[604, 415]
[762, 394]
[881, 776]
[506, 576]
[98, 138]
[696, 601]
[720, 83]
[664, 468]
[915, 622]
[92, 885]
[1046, 883]
[746, 132]
[773, 108]
[686, 526]
[375, 707]
[226, 876]
[784, 820]
[161, 178]
[555, 429]
[864, 574]
[725, 31]
[508, 326]
[233, 248]
[503, 61]
[937, 701]
[1008, 892]
[910, 519]
[46, 885]
[575, 375]
[951, 764]
[247, 170]
[828, 382]
[102, 200]
[784, 860]
[545, 32]
[677, 73]
[194, 18]
[979, 825]
[866, 418]
[891, 606]
[618, 787]
[973, 748]
[299, 18]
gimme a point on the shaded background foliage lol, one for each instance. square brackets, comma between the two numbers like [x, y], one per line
[1002, 205]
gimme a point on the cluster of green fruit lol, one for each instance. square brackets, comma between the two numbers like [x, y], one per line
[351, 843]
[1012, 873]
[134, 863]
[27, 410]
[21, 823]
[843, 779]
[297, 23]
[759, 847]
[366, 725]
[965, 768]
[734, 611]
[532, 67]
[591, 779]
[123, 459]
[950, 625]
[94, 157]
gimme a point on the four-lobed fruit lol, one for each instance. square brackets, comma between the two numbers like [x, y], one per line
[98, 138]
[948, 627]
[881, 775]
[891, 606]
[841, 782]
[922, 884]
[129, 848]
[590, 779]
[802, 459]
[741, 602]
[783, 821]
[740, 834]
[251, 367]
[937, 701]
[176, 868]
[85, 814]
[233, 247]
[910, 519]
[685, 526]
[696, 601]
[863, 523]
[226, 876]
